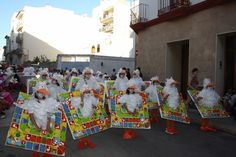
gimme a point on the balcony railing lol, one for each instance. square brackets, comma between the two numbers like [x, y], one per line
[107, 28]
[19, 38]
[169, 5]
[139, 14]
[107, 18]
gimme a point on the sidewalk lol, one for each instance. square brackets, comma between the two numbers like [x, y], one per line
[227, 125]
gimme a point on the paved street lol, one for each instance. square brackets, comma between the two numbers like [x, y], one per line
[191, 142]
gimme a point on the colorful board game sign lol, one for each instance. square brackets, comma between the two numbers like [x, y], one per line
[79, 126]
[179, 114]
[217, 111]
[65, 84]
[73, 83]
[157, 103]
[120, 118]
[23, 134]
[31, 83]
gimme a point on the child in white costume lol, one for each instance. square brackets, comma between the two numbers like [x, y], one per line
[87, 79]
[55, 86]
[137, 79]
[86, 103]
[121, 81]
[152, 93]
[40, 106]
[171, 95]
[209, 98]
[132, 102]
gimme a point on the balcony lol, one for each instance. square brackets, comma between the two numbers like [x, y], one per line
[108, 18]
[107, 28]
[19, 26]
[19, 38]
[139, 14]
[167, 6]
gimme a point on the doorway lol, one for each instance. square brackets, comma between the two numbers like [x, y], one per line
[177, 64]
[230, 63]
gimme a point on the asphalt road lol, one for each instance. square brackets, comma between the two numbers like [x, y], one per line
[191, 142]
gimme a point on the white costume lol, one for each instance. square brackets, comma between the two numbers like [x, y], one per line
[137, 79]
[91, 82]
[121, 83]
[53, 88]
[173, 99]
[99, 76]
[152, 90]
[209, 96]
[41, 109]
[29, 71]
[132, 100]
[9, 71]
[89, 101]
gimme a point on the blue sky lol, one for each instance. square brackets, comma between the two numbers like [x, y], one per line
[8, 7]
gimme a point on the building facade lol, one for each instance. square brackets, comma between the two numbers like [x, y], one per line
[50, 31]
[115, 37]
[186, 34]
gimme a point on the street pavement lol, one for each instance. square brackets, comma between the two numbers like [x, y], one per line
[190, 142]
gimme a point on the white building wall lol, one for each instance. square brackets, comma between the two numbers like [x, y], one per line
[120, 43]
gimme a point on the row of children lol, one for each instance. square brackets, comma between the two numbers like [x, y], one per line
[45, 99]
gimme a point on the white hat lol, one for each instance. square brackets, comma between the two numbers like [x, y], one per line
[105, 75]
[155, 78]
[131, 84]
[137, 72]
[206, 82]
[57, 77]
[87, 69]
[41, 87]
[43, 71]
[170, 81]
[121, 71]
[74, 70]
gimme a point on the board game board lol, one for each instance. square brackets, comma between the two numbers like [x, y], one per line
[23, 134]
[217, 111]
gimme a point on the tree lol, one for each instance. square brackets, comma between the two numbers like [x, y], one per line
[41, 59]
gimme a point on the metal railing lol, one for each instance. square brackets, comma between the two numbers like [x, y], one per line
[169, 5]
[139, 14]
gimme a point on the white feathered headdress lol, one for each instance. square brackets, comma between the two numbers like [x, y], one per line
[87, 69]
[170, 81]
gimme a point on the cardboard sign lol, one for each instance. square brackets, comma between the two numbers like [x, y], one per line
[217, 111]
[23, 134]
[120, 118]
[179, 114]
[80, 126]
[31, 83]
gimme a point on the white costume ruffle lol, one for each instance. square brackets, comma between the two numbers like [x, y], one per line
[121, 84]
[133, 101]
[173, 98]
[138, 82]
[89, 102]
[91, 82]
[209, 97]
[152, 93]
[42, 110]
